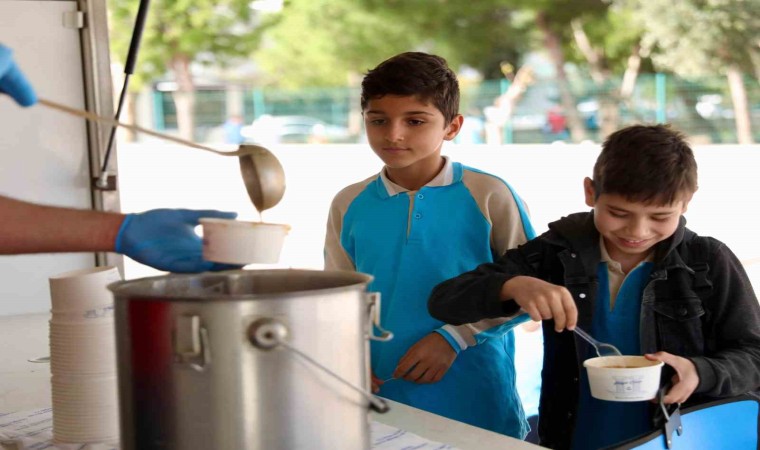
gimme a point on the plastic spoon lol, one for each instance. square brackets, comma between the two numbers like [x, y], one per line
[600, 347]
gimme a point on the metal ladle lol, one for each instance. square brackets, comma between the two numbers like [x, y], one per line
[263, 175]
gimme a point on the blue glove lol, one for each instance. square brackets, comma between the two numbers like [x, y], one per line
[165, 239]
[12, 81]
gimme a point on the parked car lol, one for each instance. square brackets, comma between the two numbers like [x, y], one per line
[268, 129]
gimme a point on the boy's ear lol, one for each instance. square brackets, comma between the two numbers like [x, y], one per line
[453, 129]
[589, 192]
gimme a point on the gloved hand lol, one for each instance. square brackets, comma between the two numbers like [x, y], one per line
[165, 239]
[12, 81]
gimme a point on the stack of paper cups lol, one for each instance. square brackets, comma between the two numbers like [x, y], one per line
[83, 356]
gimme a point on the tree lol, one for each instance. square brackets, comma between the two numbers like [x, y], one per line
[327, 42]
[554, 19]
[179, 33]
[704, 37]
[320, 42]
[610, 44]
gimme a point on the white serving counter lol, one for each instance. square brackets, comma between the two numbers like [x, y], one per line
[25, 386]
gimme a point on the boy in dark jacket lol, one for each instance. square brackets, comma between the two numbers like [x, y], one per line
[633, 275]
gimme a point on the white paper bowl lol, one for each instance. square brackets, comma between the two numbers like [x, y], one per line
[82, 291]
[623, 378]
[239, 242]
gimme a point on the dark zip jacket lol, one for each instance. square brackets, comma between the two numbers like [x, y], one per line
[697, 304]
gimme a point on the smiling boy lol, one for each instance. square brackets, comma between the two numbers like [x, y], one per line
[421, 220]
[633, 275]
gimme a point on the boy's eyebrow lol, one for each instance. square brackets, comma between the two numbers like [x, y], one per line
[661, 213]
[407, 113]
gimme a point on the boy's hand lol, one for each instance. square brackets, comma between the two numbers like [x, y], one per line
[376, 382]
[685, 381]
[542, 300]
[426, 361]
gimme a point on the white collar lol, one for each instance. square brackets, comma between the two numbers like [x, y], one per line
[444, 178]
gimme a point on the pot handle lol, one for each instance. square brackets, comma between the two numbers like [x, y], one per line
[190, 341]
[373, 298]
[267, 334]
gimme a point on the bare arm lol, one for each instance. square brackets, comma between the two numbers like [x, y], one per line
[30, 228]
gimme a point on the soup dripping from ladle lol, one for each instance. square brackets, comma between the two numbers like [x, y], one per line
[263, 175]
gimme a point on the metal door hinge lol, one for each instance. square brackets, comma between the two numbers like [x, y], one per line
[73, 19]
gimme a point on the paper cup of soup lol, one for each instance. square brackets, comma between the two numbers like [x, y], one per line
[239, 242]
[623, 378]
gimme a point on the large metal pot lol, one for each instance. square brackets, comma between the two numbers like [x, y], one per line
[270, 359]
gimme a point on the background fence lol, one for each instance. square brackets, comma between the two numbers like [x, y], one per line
[700, 108]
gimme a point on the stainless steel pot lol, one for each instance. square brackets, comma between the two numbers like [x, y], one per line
[270, 359]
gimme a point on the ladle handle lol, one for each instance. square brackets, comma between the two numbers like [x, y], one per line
[96, 118]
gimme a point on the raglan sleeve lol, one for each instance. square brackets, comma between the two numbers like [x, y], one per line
[510, 227]
[335, 254]
[731, 365]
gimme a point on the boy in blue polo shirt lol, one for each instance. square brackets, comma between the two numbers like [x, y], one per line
[633, 275]
[421, 220]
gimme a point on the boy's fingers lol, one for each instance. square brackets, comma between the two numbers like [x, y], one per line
[416, 373]
[406, 371]
[666, 358]
[571, 311]
[437, 377]
[558, 311]
[676, 394]
[544, 309]
[533, 312]
[428, 376]
[403, 367]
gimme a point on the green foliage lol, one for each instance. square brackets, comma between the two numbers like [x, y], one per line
[323, 42]
[616, 33]
[700, 37]
[206, 31]
[317, 42]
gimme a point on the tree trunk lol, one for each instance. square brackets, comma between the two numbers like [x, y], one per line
[741, 110]
[554, 47]
[609, 100]
[631, 73]
[184, 96]
[609, 115]
[355, 120]
[500, 114]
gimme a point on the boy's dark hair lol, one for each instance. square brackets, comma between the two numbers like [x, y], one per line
[427, 77]
[646, 163]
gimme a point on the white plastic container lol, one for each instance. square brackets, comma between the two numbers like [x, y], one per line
[623, 378]
[239, 242]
